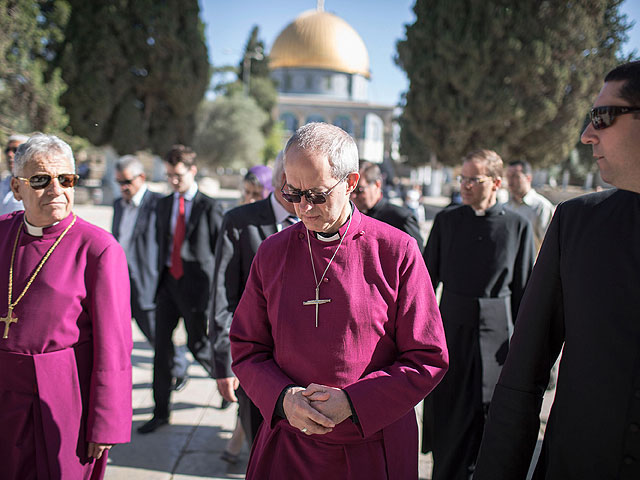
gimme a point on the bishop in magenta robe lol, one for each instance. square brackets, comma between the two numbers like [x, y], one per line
[65, 379]
[380, 339]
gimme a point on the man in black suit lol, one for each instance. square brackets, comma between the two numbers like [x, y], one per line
[243, 230]
[188, 223]
[369, 199]
[134, 226]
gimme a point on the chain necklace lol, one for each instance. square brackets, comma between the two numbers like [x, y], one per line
[9, 319]
[317, 301]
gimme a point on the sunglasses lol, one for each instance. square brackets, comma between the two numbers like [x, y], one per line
[603, 117]
[11, 150]
[295, 196]
[40, 181]
[127, 181]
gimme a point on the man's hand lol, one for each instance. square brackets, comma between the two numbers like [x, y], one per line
[302, 415]
[331, 402]
[96, 450]
[227, 388]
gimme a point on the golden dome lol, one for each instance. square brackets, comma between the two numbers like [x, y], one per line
[318, 39]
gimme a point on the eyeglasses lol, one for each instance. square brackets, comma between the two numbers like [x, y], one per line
[40, 181]
[11, 150]
[295, 196]
[473, 181]
[126, 181]
[603, 117]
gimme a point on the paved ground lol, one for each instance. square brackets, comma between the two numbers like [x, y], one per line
[190, 447]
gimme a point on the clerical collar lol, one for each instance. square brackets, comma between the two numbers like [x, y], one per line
[479, 213]
[327, 237]
[36, 231]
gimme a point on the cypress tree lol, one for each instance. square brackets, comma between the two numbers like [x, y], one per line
[514, 75]
[136, 72]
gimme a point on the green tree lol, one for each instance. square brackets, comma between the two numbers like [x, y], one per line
[29, 86]
[513, 75]
[229, 132]
[136, 71]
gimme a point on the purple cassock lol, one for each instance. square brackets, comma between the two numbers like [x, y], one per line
[65, 376]
[380, 339]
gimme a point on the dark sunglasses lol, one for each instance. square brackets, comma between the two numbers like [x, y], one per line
[127, 181]
[11, 149]
[38, 182]
[295, 196]
[603, 117]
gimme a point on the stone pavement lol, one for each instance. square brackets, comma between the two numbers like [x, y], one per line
[190, 447]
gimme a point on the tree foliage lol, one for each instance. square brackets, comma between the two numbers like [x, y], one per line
[29, 87]
[513, 75]
[229, 132]
[136, 72]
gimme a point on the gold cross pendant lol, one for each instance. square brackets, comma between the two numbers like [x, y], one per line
[8, 320]
[316, 302]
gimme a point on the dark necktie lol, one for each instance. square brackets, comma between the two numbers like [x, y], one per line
[290, 220]
[178, 237]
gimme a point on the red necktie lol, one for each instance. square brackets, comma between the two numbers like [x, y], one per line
[178, 237]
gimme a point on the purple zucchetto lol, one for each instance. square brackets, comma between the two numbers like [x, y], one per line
[263, 174]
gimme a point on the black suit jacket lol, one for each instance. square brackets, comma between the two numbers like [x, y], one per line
[142, 256]
[198, 249]
[399, 217]
[243, 230]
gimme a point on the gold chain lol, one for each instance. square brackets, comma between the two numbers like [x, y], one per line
[42, 262]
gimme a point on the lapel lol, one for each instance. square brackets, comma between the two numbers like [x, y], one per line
[196, 211]
[267, 220]
[117, 216]
[142, 219]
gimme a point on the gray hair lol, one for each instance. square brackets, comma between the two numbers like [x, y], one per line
[328, 140]
[278, 170]
[131, 163]
[44, 145]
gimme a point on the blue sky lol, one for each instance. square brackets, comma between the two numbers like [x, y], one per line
[380, 23]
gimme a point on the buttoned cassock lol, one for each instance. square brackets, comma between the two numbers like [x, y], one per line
[380, 339]
[65, 378]
[585, 292]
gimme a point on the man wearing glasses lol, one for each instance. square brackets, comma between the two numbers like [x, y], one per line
[8, 203]
[134, 226]
[482, 253]
[187, 225]
[584, 293]
[65, 338]
[369, 199]
[337, 336]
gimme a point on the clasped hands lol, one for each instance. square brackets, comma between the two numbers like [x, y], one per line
[316, 409]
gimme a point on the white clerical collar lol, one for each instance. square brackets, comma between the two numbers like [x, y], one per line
[279, 212]
[189, 194]
[137, 198]
[479, 213]
[332, 238]
[36, 231]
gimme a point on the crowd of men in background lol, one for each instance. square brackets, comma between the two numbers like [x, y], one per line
[374, 342]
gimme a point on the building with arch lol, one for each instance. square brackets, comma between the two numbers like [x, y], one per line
[321, 66]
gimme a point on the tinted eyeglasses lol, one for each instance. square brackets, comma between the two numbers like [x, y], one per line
[603, 117]
[40, 181]
[126, 181]
[295, 196]
[11, 150]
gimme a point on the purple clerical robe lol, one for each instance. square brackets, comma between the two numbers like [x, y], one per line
[380, 339]
[65, 376]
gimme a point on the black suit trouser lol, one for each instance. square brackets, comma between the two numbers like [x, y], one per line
[172, 304]
[250, 416]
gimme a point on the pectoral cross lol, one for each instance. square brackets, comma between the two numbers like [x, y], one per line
[315, 302]
[9, 319]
